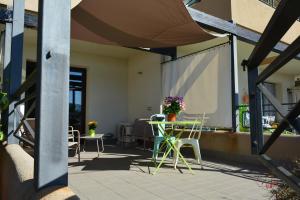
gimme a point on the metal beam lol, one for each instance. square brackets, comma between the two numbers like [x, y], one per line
[13, 65]
[222, 26]
[206, 20]
[234, 83]
[290, 117]
[281, 173]
[6, 72]
[255, 108]
[277, 105]
[283, 18]
[171, 51]
[281, 60]
[30, 81]
[53, 56]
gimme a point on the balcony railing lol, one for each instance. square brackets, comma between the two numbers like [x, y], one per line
[273, 4]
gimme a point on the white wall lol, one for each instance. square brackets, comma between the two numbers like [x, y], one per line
[107, 85]
[106, 90]
[144, 85]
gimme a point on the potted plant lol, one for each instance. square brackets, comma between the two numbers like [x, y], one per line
[172, 106]
[92, 127]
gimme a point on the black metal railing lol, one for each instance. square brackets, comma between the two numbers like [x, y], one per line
[21, 126]
[273, 4]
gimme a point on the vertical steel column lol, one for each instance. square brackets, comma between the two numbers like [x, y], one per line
[234, 83]
[53, 55]
[255, 107]
[13, 58]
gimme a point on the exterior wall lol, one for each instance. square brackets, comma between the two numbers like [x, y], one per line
[218, 8]
[255, 15]
[106, 89]
[238, 144]
[107, 83]
[144, 85]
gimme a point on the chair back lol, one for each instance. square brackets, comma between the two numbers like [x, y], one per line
[158, 130]
[71, 135]
[197, 127]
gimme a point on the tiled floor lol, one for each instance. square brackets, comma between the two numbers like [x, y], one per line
[125, 174]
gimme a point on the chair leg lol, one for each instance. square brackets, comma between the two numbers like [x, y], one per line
[155, 150]
[78, 153]
[196, 148]
[176, 156]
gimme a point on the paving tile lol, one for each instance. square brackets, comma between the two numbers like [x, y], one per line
[128, 180]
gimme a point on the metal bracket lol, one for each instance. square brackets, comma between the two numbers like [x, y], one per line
[7, 16]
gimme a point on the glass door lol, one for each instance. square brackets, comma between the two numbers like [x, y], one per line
[77, 94]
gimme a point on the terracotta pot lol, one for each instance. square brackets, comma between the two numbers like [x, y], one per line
[171, 117]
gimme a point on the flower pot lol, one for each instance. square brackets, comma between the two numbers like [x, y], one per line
[171, 117]
[92, 132]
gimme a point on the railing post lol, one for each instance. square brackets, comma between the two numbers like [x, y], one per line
[13, 58]
[255, 108]
[53, 54]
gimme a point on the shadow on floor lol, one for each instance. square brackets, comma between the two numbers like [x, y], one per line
[116, 158]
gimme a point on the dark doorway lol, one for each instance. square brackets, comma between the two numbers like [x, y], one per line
[77, 96]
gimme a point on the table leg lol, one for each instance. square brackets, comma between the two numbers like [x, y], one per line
[161, 162]
[97, 147]
[172, 147]
[102, 145]
[83, 148]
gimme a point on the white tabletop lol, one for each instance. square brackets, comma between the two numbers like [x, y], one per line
[95, 137]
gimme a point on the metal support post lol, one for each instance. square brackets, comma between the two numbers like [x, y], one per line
[13, 58]
[234, 83]
[255, 107]
[53, 55]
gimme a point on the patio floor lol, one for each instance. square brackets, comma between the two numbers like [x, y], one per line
[125, 174]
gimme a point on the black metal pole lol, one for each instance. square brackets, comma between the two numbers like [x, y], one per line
[13, 59]
[255, 108]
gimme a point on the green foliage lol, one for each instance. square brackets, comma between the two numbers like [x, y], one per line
[1, 136]
[4, 102]
[173, 105]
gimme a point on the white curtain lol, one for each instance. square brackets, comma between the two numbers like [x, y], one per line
[204, 80]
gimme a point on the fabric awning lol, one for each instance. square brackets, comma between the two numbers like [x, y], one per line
[136, 23]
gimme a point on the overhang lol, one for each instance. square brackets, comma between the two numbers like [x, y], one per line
[136, 23]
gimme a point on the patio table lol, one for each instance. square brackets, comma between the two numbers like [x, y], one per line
[96, 137]
[167, 135]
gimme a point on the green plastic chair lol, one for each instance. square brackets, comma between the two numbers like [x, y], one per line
[158, 132]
